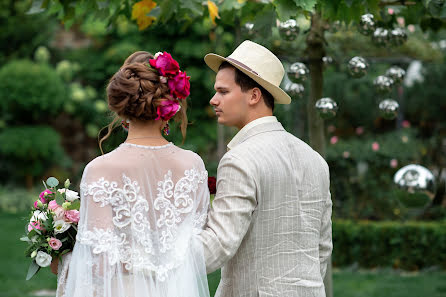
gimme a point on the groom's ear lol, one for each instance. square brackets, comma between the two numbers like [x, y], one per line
[256, 96]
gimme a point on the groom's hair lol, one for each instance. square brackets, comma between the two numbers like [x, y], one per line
[246, 83]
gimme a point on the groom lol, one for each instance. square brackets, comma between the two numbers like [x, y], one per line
[270, 222]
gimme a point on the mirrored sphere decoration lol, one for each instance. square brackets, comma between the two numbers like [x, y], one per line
[367, 24]
[381, 37]
[415, 178]
[298, 72]
[357, 67]
[388, 109]
[383, 84]
[288, 30]
[326, 108]
[327, 60]
[396, 73]
[398, 36]
[294, 90]
[248, 29]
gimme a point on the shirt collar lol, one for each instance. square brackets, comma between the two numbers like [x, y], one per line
[242, 133]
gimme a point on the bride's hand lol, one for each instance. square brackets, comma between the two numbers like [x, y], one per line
[54, 265]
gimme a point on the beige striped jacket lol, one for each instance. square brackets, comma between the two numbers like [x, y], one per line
[269, 226]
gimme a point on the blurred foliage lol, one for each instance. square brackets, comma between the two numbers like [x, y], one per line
[16, 200]
[30, 91]
[409, 245]
[30, 152]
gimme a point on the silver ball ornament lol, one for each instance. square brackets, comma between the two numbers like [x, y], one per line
[294, 90]
[383, 84]
[381, 37]
[416, 179]
[357, 67]
[396, 73]
[398, 36]
[367, 24]
[298, 72]
[289, 30]
[388, 109]
[326, 108]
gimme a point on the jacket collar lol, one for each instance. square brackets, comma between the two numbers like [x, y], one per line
[260, 125]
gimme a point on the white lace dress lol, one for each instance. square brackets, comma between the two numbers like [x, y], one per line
[140, 209]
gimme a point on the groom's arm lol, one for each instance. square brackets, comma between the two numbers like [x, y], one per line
[231, 212]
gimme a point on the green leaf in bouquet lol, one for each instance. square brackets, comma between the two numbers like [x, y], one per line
[59, 198]
[25, 238]
[75, 205]
[32, 270]
[34, 229]
[52, 182]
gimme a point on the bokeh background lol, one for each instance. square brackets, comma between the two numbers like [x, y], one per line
[57, 56]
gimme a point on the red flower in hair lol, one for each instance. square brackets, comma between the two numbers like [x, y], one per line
[179, 85]
[167, 110]
[165, 64]
[212, 185]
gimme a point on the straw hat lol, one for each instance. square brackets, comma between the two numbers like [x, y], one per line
[258, 63]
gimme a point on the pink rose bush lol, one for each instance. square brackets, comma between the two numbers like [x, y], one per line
[52, 227]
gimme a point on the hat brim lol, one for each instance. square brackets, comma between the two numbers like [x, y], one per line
[280, 97]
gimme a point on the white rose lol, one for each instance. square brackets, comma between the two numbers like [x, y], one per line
[157, 55]
[71, 195]
[60, 226]
[39, 216]
[43, 259]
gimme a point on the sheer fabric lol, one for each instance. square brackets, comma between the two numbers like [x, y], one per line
[140, 209]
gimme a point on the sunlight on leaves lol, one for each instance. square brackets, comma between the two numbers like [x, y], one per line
[213, 11]
[140, 11]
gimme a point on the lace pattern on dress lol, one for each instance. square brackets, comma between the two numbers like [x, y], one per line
[130, 217]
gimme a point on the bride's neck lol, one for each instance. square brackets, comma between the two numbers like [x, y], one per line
[146, 132]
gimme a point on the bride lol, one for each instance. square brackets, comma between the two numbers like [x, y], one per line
[143, 202]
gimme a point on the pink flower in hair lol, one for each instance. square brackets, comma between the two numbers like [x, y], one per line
[165, 64]
[179, 85]
[167, 109]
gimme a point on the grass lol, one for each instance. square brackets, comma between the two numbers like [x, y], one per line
[347, 282]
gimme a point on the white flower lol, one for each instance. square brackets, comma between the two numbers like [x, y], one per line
[71, 195]
[157, 55]
[39, 216]
[43, 259]
[60, 226]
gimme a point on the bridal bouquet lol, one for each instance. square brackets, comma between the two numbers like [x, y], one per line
[52, 227]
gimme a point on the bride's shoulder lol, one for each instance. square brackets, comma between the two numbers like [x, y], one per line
[191, 156]
[101, 165]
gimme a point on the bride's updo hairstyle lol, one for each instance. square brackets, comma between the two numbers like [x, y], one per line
[137, 91]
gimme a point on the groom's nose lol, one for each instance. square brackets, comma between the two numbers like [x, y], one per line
[213, 101]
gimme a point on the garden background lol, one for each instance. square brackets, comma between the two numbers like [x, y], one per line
[54, 68]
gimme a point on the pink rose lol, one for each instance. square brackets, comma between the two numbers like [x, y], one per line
[36, 205]
[36, 226]
[333, 139]
[179, 85]
[59, 213]
[393, 163]
[44, 194]
[72, 216]
[359, 130]
[165, 64]
[55, 243]
[375, 146]
[346, 154]
[53, 205]
[167, 109]
[405, 124]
